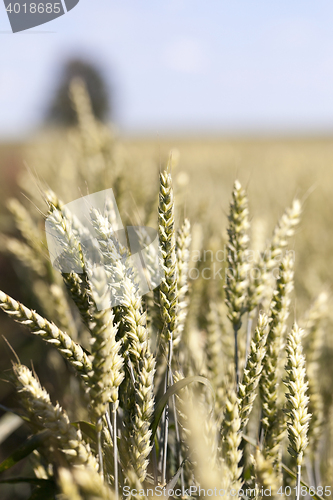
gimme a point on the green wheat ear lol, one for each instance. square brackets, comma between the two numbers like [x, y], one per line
[238, 267]
[269, 381]
[237, 279]
[166, 226]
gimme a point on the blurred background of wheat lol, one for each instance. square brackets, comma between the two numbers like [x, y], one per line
[88, 158]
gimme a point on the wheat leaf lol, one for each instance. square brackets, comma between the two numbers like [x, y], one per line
[24, 450]
[173, 390]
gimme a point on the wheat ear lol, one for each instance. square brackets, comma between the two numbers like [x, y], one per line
[168, 293]
[139, 401]
[65, 229]
[62, 312]
[166, 226]
[213, 347]
[269, 379]
[77, 484]
[107, 364]
[209, 471]
[53, 418]
[61, 228]
[25, 255]
[237, 275]
[49, 332]
[283, 231]
[68, 488]
[252, 372]
[86, 120]
[26, 226]
[183, 242]
[137, 353]
[231, 439]
[265, 475]
[313, 343]
[76, 285]
[297, 400]
[182, 402]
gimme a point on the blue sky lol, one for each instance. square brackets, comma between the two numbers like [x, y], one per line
[182, 65]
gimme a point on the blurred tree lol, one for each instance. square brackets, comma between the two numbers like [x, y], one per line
[61, 109]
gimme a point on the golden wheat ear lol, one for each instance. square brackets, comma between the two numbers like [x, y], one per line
[248, 388]
[43, 414]
[49, 332]
[297, 400]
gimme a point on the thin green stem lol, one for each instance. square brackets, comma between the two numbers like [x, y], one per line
[298, 482]
[108, 421]
[248, 335]
[317, 474]
[236, 357]
[99, 448]
[178, 441]
[115, 452]
[154, 462]
[166, 413]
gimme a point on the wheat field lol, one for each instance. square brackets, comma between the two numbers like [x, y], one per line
[215, 383]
